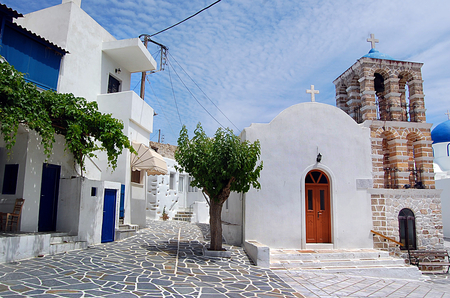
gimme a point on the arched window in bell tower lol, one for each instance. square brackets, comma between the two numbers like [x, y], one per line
[380, 92]
[407, 115]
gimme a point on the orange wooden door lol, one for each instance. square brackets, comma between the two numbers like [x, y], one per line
[318, 214]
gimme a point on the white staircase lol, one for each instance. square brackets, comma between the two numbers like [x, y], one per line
[184, 214]
[152, 211]
[367, 262]
[125, 231]
[63, 242]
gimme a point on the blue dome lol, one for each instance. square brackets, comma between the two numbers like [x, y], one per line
[373, 53]
[441, 133]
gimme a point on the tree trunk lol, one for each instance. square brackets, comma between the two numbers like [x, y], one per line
[215, 224]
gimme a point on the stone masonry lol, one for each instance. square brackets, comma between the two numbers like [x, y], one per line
[426, 206]
[387, 97]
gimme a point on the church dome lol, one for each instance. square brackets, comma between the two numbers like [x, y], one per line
[441, 133]
[373, 53]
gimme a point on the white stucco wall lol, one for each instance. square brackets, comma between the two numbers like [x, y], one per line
[441, 155]
[442, 176]
[94, 55]
[444, 184]
[274, 215]
[28, 153]
[83, 70]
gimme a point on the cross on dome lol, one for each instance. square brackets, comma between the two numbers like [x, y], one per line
[313, 93]
[448, 115]
[372, 40]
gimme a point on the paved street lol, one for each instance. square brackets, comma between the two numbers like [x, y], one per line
[146, 265]
[166, 260]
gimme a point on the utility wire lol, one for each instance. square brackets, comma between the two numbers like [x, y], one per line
[192, 94]
[174, 98]
[186, 18]
[172, 57]
[165, 116]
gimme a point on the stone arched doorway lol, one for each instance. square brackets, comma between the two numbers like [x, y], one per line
[407, 229]
[318, 207]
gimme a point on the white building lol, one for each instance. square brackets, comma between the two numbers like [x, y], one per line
[441, 149]
[355, 176]
[97, 67]
[172, 194]
[290, 204]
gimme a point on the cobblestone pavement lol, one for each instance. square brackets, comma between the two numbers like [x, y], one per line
[166, 260]
[146, 265]
[336, 285]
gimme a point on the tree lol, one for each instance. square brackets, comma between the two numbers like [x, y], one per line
[218, 165]
[85, 129]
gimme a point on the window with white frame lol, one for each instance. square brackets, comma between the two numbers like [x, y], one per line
[172, 181]
[181, 184]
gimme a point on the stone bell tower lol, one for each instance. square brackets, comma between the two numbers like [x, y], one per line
[387, 96]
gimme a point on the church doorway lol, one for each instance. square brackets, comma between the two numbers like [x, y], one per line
[407, 229]
[318, 208]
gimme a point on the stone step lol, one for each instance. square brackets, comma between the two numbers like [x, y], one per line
[183, 215]
[281, 254]
[124, 233]
[330, 263]
[128, 227]
[403, 272]
[369, 262]
[62, 242]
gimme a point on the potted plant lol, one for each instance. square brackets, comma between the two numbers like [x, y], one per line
[165, 216]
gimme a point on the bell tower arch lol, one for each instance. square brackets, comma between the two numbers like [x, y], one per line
[387, 94]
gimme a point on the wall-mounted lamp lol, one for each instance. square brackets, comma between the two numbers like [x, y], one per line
[118, 70]
[319, 157]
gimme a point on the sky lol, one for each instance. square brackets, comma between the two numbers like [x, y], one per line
[242, 62]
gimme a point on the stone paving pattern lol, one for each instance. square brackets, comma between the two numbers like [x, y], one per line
[336, 285]
[145, 265]
[166, 260]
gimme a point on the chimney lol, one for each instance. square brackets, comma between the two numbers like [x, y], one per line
[77, 2]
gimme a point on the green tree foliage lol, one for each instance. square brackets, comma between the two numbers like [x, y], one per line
[219, 165]
[48, 113]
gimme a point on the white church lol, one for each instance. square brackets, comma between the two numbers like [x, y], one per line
[441, 149]
[355, 176]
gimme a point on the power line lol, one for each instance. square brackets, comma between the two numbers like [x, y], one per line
[165, 116]
[174, 98]
[192, 94]
[203, 92]
[186, 18]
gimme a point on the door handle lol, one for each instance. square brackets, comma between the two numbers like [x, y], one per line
[318, 214]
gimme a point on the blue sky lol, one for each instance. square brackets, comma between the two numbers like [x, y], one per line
[253, 59]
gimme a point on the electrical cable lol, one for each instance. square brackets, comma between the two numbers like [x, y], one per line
[165, 116]
[186, 18]
[192, 94]
[174, 98]
[171, 56]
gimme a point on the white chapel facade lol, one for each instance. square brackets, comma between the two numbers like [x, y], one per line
[334, 175]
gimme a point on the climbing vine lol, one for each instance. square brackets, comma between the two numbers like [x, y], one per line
[85, 129]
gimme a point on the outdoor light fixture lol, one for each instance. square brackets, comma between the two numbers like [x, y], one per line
[319, 157]
[118, 70]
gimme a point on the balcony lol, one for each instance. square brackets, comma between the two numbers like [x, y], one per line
[127, 106]
[130, 54]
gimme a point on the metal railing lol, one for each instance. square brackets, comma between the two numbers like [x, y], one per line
[387, 238]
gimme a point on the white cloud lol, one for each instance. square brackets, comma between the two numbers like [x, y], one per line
[256, 58]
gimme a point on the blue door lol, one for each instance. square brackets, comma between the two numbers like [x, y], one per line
[122, 201]
[109, 215]
[48, 205]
